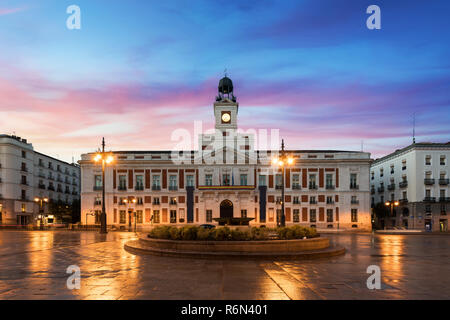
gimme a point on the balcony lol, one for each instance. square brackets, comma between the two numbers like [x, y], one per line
[24, 198]
[97, 203]
[330, 201]
[403, 184]
[155, 203]
[98, 188]
[173, 188]
[51, 178]
[59, 190]
[372, 191]
[443, 182]
[278, 187]
[312, 201]
[74, 193]
[380, 189]
[403, 201]
[429, 199]
[428, 182]
[171, 202]
[122, 188]
[24, 169]
[444, 199]
[24, 183]
[41, 164]
[329, 187]
[51, 188]
[312, 186]
[226, 187]
[139, 187]
[354, 186]
[403, 168]
[40, 186]
[354, 201]
[296, 187]
[391, 186]
[41, 175]
[156, 188]
[296, 202]
[67, 192]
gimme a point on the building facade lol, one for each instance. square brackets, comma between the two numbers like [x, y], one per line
[26, 174]
[417, 177]
[225, 178]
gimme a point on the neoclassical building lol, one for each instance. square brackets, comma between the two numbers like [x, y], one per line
[228, 177]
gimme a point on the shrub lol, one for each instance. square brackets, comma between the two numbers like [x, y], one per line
[175, 233]
[204, 234]
[160, 232]
[221, 234]
[240, 235]
[259, 233]
[189, 233]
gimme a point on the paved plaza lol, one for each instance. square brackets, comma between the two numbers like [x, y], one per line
[33, 266]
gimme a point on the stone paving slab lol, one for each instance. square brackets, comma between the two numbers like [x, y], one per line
[33, 266]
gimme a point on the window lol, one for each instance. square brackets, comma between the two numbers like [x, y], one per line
[243, 213]
[278, 180]
[181, 211]
[442, 160]
[295, 181]
[173, 200]
[173, 182]
[122, 216]
[354, 215]
[443, 210]
[156, 182]
[226, 179]
[381, 172]
[243, 179]
[329, 215]
[97, 214]
[155, 216]
[190, 180]
[139, 201]
[354, 200]
[139, 182]
[392, 169]
[442, 193]
[428, 209]
[296, 215]
[208, 215]
[403, 164]
[24, 154]
[271, 214]
[372, 175]
[122, 182]
[404, 195]
[155, 200]
[139, 216]
[312, 200]
[24, 167]
[24, 207]
[24, 195]
[24, 180]
[382, 199]
[353, 182]
[312, 215]
[330, 200]
[428, 193]
[98, 181]
[329, 181]
[296, 200]
[312, 181]
[208, 179]
[97, 201]
[427, 160]
[262, 180]
[173, 216]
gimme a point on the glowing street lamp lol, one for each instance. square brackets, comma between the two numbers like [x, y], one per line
[282, 161]
[41, 202]
[105, 159]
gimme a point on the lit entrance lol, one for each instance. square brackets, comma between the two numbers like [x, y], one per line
[226, 209]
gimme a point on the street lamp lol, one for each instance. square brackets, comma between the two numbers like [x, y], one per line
[41, 209]
[130, 211]
[105, 159]
[391, 205]
[282, 161]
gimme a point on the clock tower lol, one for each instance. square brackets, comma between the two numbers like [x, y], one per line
[226, 107]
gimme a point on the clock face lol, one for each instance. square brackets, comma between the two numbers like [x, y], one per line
[226, 117]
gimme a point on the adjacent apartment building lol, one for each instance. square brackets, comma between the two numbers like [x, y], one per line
[226, 178]
[26, 176]
[417, 179]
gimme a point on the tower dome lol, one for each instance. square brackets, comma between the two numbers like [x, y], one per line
[226, 89]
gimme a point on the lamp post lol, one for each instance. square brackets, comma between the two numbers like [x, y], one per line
[282, 161]
[105, 159]
[130, 211]
[41, 210]
[391, 205]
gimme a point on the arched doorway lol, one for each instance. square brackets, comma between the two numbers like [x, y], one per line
[226, 209]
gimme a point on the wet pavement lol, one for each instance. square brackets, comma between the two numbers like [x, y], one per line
[33, 266]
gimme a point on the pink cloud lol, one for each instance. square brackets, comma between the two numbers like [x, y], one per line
[5, 11]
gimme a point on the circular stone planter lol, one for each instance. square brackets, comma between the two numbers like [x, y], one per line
[268, 249]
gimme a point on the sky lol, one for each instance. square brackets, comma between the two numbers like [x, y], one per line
[137, 71]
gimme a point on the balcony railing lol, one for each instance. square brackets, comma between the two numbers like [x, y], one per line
[278, 187]
[41, 186]
[139, 187]
[428, 182]
[155, 202]
[97, 203]
[98, 188]
[329, 187]
[52, 188]
[296, 187]
[172, 202]
[330, 201]
[444, 199]
[24, 169]
[429, 199]
[296, 202]
[74, 193]
[354, 201]
[354, 186]
[312, 201]
[403, 200]
[391, 186]
[312, 186]
[173, 188]
[443, 182]
[403, 184]
[380, 189]
[122, 188]
[155, 187]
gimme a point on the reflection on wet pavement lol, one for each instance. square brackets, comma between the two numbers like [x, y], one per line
[33, 266]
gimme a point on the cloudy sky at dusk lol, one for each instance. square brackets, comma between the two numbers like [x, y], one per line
[138, 70]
